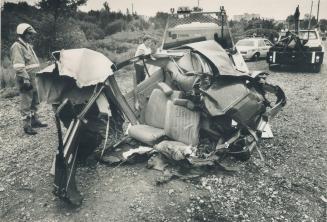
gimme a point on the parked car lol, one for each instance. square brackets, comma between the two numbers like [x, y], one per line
[253, 48]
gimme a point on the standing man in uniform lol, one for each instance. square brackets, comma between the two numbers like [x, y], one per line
[26, 64]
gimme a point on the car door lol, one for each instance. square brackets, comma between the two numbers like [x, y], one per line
[268, 44]
[262, 48]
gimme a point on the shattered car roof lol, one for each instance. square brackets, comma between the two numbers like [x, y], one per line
[86, 66]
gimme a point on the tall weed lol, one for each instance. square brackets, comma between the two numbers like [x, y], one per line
[7, 74]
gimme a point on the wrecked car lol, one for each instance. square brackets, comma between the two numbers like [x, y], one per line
[191, 26]
[192, 92]
[196, 90]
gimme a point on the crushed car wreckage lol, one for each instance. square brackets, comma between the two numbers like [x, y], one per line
[192, 92]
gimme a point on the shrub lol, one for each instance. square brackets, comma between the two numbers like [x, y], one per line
[115, 26]
[91, 30]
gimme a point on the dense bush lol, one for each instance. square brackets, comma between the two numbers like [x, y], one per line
[91, 30]
[68, 30]
[115, 26]
[159, 20]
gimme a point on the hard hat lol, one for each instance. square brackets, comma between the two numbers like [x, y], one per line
[22, 27]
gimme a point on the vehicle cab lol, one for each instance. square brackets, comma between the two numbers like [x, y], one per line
[311, 37]
[191, 26]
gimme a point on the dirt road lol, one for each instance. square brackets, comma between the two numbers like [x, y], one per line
[289, 186]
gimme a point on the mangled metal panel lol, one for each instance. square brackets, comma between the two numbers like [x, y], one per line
[73, 76]
[217, 56]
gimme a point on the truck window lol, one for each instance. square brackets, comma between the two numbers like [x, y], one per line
[306, 34]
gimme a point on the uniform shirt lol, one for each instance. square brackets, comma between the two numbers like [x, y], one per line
[23, 58]
[142, 50]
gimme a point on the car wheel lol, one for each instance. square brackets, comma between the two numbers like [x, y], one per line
[256, 56]
[244, 156]
[274, 67]
[240, 152]
[316, 68]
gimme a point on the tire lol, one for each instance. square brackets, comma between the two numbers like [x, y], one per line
[256, 56]
[238, 152]
[316, 68]
[242, 156]
[273, 67]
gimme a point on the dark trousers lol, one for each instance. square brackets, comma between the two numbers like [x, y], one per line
[28, 99]
[139, 72]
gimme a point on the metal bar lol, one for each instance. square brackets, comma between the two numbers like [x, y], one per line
[121, 101]
[165, 33]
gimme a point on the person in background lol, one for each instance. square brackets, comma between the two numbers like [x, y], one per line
[143, 49]
[26, 64]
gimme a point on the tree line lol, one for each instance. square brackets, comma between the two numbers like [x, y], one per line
[62, 25]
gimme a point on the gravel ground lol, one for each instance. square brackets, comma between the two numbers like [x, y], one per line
[290, 185]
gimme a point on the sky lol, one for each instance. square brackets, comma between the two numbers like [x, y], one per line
[276, 9]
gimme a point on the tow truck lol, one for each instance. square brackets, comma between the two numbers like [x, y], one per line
[304, 48]
[298, 47]
[195, 25]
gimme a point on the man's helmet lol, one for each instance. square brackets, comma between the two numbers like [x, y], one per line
[24, 27]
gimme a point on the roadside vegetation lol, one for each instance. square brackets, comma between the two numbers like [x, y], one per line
[115, 34]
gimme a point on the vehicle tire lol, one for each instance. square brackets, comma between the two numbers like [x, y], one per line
[275, 67]
[316, 68]
[238, 152]
[256, 56]
[242, 156]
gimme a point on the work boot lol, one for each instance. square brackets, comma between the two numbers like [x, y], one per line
[28, 128]
[36, 123]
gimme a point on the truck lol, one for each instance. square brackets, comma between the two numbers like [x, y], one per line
[188, 26]
[304, 48]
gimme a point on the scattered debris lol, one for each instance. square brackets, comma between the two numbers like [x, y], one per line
[141, 150]
[175, 150]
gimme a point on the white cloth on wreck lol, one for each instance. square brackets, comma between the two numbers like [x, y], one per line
[86, 66]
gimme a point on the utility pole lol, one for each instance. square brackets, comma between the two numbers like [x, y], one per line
[318, 12]
[310, 15]
[132, 9]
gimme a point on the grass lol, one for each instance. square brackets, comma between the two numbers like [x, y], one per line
[7, 74]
